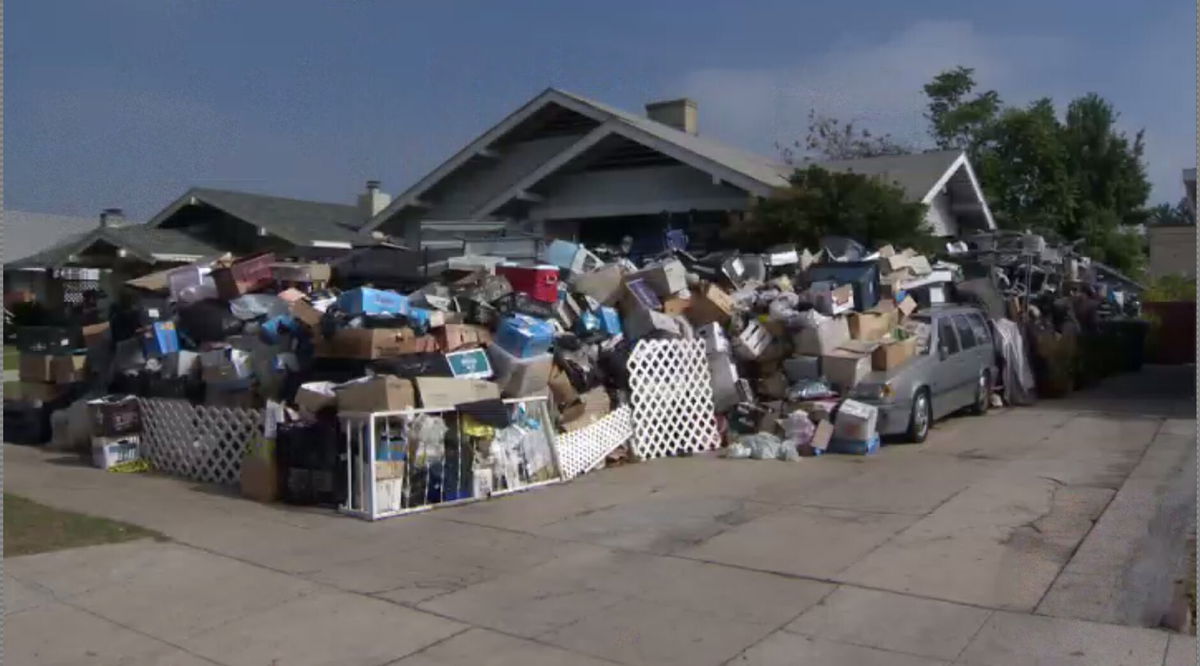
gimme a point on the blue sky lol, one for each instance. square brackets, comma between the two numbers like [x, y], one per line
[129, 102]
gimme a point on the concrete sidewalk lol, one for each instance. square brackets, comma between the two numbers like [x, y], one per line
[950, 552]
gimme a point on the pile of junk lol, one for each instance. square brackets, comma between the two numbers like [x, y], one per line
[787, 333]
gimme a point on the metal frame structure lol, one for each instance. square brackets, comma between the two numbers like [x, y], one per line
[362, 433]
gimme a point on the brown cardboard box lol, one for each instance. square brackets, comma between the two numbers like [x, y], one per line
[315, 396]
[305, 313]
[37, 391]
[844, 368]
[300, 272]
[389, 469]
[374, 343]
[453, 337]
[872, 324]
[446, 392]
[68, 369]
[604, 284]
[893, 354]
[561, 389]
[823, 338]
[820, 440]
[835, 301]
[381, 393]
[36, 367]
[260, 478]
[94, 334]
[711, 304]
[907, 306]
[592, 406]
[676, 306]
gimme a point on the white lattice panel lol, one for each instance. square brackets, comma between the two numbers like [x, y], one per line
[672, 399]
[583, 449]
[197, 442]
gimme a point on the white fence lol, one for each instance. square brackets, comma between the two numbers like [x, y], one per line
[195, 441]
[673, 410]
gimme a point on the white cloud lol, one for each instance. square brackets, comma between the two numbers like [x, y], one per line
[879, 86]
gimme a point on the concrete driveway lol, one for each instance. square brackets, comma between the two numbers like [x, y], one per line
[1027, 536]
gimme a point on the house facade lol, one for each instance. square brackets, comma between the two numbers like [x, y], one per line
[1173, 246]
[564, 166]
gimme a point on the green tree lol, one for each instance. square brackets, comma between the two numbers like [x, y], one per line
[831, 139]
[1166, 214]
[958, 119]
[820, 203]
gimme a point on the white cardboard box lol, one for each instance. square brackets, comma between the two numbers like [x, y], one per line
[856, 421]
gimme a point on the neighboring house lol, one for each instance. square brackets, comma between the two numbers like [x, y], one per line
[27, 233]
[1173, 246]
[569, 167]
[202, 223]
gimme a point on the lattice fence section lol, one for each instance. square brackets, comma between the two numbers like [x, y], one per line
[672, 399]
[583, 449]
[197, 442]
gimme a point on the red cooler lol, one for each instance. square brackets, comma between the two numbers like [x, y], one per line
[540, 282]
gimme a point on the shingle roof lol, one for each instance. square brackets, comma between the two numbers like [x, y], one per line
[143, 241]
[295, 220]
[760, 168]
[27, 233]
[916, 174]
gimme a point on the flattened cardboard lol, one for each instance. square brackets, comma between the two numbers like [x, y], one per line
[447, 392]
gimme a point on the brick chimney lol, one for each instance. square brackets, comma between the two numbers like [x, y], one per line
[111, 218]
[681, 114]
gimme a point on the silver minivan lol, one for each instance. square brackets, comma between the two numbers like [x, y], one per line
[954, 368]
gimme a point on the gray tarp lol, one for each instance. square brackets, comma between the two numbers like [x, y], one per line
[1018, 377]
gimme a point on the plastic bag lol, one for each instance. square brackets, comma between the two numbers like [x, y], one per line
[809, 389]
[783, 310]
[429, 433]
[798, 429]
[253, 306]
[763, 446]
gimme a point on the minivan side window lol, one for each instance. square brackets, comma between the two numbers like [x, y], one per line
[965, 335]
[979, 325]
[947, 341]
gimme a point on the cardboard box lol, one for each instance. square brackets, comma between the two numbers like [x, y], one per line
[37, 391]
[844, 368]
[389, 469]
[666, 278]
[301, 272]
[374, 343]
[820, 440]
[470, 364]
[891, 355]
[381, 393]
[69, 369]
[108, 452]
[872, 324]
[160, 339]
[752, 342]
[36, 367]
[592, 406]
[823, 338]
[561, 389]
[711, 304]
[303, 312]
[773, 386]
[892, 263]
[906, 306]
[855, 421]
[225, 364]
[182, 363]
[642, 323]
[713, 337]
[377, 302]
[453, 337]
[312, 397]
[524, 336]
[115, 417]
[603, 284]
[919, 265]
[95, 334]
[260, 478]
[443, 392]
[835, 300]
[676, 305]
[802, 367]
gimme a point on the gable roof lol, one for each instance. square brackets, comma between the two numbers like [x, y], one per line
[149, 244]
[27, 233]
[297, 221]
[921, 175]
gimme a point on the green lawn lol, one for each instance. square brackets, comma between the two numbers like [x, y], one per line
[31, 528]
[11, 358]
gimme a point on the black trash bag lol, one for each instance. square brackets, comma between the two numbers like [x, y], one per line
[411, 366]
[580, 371]
[614, 363]
[310, 459]
[208, 321]
[519, 303]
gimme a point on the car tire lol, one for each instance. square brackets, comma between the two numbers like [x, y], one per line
[921, 417]
[983, 394]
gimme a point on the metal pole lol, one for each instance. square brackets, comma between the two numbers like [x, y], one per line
[370, 462]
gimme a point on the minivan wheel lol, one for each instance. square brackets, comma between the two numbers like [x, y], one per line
[983, 394]
[921, 417]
